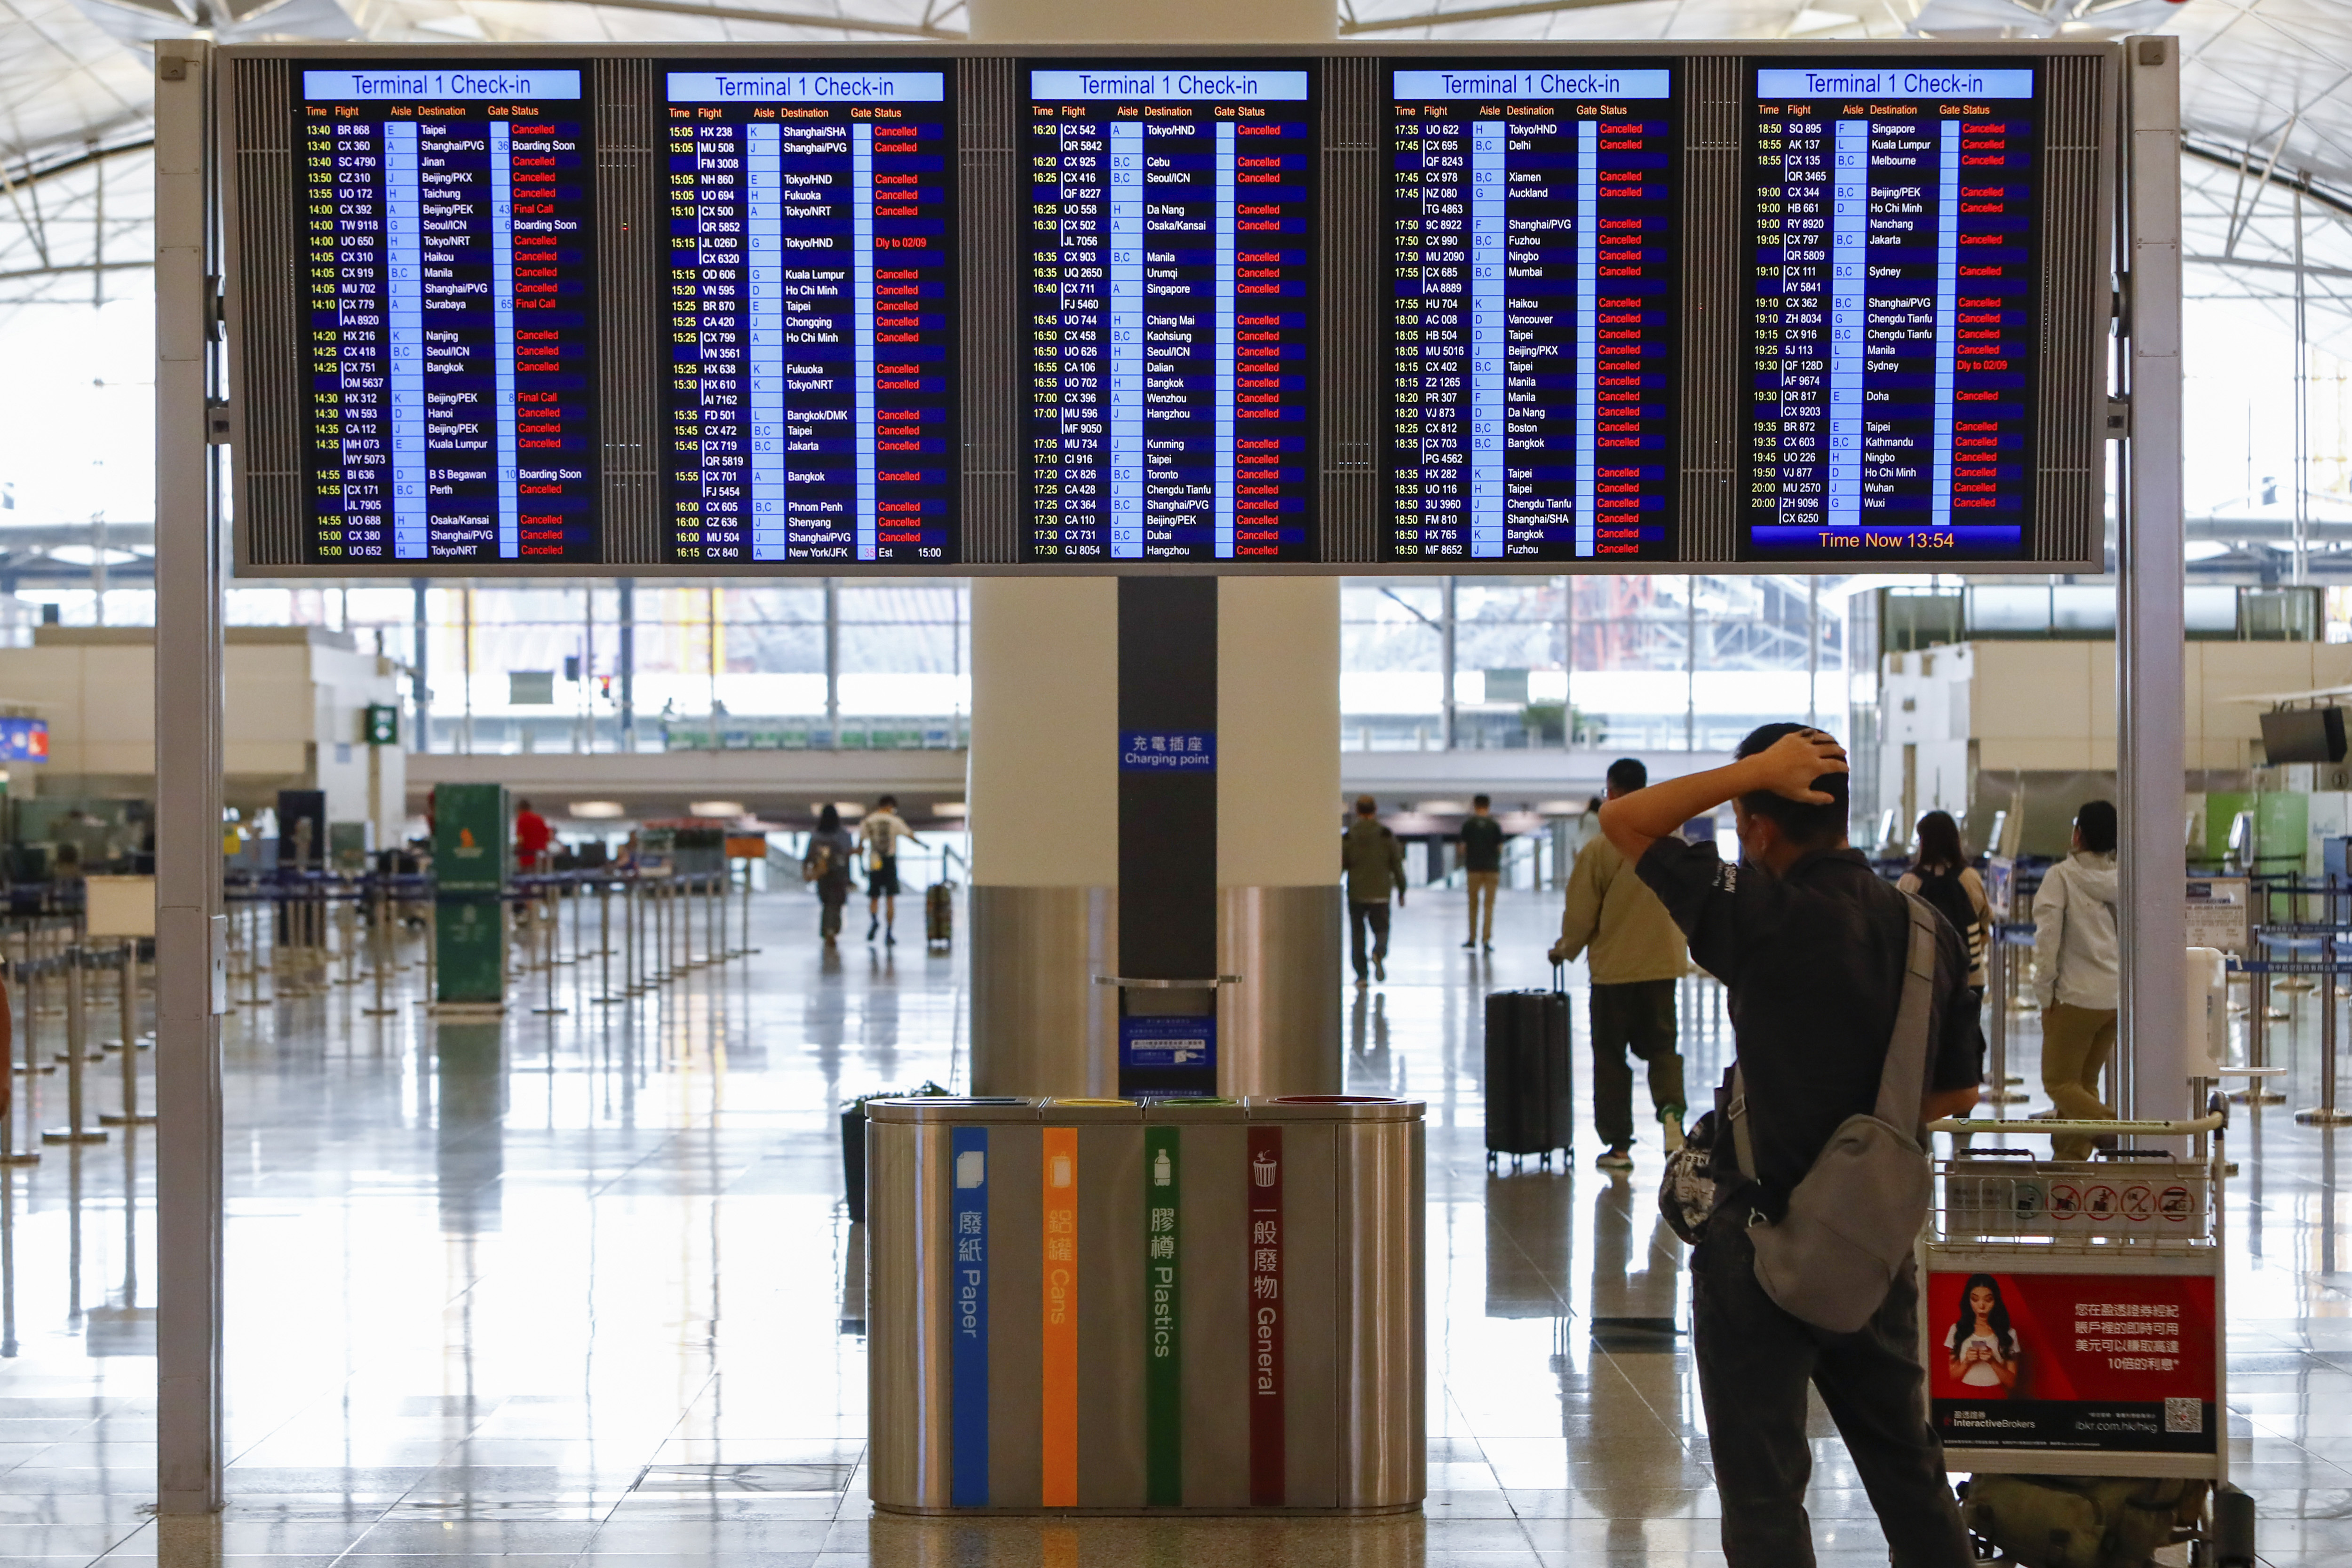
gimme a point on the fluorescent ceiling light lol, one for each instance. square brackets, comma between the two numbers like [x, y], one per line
[715, 808]
[951, 808]
[596, 810]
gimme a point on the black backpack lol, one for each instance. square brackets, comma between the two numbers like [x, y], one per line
[1943, 892]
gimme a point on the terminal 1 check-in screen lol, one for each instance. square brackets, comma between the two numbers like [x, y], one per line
[1532, 311]
[1167, 252]
[448, 314]
[1893, 217]
[811, 398]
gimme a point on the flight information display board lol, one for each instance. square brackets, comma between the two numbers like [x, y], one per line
[812, 402]
[1169, 254]
[1532, 311]
[1893, 235]
[447, 317]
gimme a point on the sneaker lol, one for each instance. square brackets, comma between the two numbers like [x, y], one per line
[889, 939]
[1380, 969]
[1490, 946]
[1670, 1130]
[1472, 943]
[1614, 1159]
[872, 926]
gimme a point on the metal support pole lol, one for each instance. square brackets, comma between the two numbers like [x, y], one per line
[2153, 1076]
[130, 1116]
[604, 996]
[8, 1153]
[75, 1130]
[382, 907]
[832, 663]
[1446, 737]
[432, 949]
[191, 930]
[748, 949]
[2324, 1113]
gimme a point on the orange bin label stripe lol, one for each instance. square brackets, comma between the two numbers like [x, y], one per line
[1060, 1424]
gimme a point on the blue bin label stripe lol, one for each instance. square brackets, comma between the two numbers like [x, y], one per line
[968, 1359]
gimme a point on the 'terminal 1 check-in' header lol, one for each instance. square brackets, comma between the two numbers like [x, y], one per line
[438, 86]
[1061, 86]
[807, 86]
[1908, 82]
[1520, 86]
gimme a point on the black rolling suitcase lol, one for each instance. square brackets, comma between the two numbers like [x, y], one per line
[1530, 1075]
[938, 915]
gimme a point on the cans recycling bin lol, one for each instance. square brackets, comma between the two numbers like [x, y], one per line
[1101, 1306]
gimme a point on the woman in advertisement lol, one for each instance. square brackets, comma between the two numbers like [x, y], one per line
[1985, 1354]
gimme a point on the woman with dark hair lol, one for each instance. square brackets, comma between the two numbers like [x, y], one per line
[1985, 1355]
[831, 853]
[1940, 873]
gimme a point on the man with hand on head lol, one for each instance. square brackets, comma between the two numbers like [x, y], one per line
[1812, 946]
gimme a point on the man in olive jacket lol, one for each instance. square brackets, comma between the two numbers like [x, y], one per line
[1637, 954]
[1373, 862]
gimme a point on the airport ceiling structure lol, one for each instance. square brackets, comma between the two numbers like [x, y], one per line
[2267, 87]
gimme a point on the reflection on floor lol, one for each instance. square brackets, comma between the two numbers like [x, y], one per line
[583, 1286]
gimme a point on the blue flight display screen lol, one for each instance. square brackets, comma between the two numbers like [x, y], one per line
[811, 394]
[1532, 311]
[1169, 255]
[447, 314]
[1893, 219]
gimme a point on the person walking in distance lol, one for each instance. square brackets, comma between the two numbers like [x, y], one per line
[1637, 956]
[1372, 861]
[532, 837]
[2075, 973]
[1482, 861]
[826, 864]
[1813, 949]
[879, 836]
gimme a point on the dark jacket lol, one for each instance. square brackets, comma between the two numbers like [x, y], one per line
[1373, 861]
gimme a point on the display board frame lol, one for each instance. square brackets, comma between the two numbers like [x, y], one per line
[2082, 145]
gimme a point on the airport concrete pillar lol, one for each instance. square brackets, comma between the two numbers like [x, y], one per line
[1121, 894]
[1087, 871]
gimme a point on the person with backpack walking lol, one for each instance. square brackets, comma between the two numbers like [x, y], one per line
[1940, 874]
[881, 834]
[831, 854]
[1841, 989]
[1636, 959]
[1372, 861]
[2076, 973]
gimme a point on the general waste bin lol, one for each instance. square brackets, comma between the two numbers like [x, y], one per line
[1100, 1306]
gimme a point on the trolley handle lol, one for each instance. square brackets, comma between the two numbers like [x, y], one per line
[2214, 1123]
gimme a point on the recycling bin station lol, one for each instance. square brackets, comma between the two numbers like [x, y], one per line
[1205, 1306]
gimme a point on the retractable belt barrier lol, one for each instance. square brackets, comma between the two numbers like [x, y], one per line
[1102, 1306]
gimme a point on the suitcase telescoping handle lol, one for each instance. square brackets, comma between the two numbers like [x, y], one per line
[1560, 979]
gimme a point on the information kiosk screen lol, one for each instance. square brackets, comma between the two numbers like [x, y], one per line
[449, 317]
[1532, 314]
[812, 398]
[1895, 236]
[1170, 258]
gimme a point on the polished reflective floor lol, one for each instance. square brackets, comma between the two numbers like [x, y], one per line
[582, 1286]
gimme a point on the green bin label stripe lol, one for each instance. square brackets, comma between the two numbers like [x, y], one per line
[1163, 1377]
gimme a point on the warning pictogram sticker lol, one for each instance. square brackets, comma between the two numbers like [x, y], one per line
[2173, 1204]
[2138, 1202]
[2099, 1203]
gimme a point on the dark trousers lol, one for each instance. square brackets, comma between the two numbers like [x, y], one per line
[1754, 1361]
[1358, 917]
[1638, 1016]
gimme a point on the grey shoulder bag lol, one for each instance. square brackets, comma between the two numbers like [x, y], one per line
[1851, 1223]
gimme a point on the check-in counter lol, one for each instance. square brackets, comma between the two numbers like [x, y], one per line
[1206, 1306]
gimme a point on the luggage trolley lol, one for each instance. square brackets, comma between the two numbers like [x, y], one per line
[2072, 1321]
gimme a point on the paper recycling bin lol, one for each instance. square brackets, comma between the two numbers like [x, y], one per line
[1100, 1306]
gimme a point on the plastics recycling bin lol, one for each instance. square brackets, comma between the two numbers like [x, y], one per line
[1102, 1306]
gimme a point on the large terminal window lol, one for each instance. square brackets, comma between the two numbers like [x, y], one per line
[1168, 260]
[448, 314]
[1532, 313]
[1894, 240]
[812, 399]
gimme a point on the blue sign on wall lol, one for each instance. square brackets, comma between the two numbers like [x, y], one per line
[1168, 1042]
[24, 740]
[1167, 751]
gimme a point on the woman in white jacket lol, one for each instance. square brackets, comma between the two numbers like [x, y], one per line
[2075, 969]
